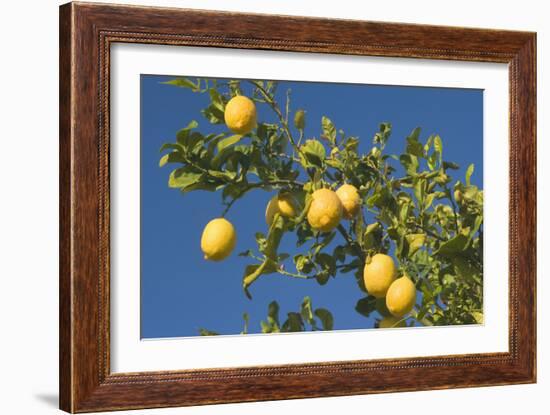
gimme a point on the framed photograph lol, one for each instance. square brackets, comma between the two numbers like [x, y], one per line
[260, 207]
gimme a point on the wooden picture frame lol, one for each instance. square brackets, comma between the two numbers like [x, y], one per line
[86, 33]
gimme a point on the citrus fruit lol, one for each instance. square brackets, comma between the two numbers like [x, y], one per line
[391, 322]
[379, 274]
[284, 204]
[325, 210]
[401, 297]
[240, 114]
[351, 202]
[218, 239]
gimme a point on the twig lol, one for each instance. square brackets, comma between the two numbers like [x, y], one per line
[294, 275]
[277, 111]
[448, 193]
[432, 234]
[351, 243]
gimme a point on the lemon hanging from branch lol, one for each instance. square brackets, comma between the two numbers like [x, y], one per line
[379, 274]
[401, 297]
[218, 239]
[282, 203]
[325, 211]
[240, 114]
[434, 227]
[351, 202]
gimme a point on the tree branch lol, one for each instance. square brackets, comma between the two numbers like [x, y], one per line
[277, 111]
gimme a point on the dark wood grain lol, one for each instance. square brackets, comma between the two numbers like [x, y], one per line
[86, 33]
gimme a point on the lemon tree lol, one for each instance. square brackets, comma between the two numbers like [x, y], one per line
[410, 233]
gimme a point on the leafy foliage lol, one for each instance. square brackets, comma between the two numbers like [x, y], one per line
[430, 223]
[305, 319]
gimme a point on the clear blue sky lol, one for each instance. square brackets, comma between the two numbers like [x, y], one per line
[180, 291]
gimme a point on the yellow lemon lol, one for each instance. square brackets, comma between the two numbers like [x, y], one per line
[379, 274]
[401, 297]
[351, 202]
[325, 210]
[391, 322]
[284, 204]
[218, 239]
[240, 114]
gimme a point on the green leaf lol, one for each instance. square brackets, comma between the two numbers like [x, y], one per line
[469, 172]
[228, 141]
[181, 179]
[382, 136]
[329, 130]
[327, 262]
[327, 320]
[322, 277]
[205, 332]
[306, 311]
[183, 134]
[303, 264]
[272, 323]
[163, 160]
[450, 165]
[172, 157]
[438, 146]
[273, 311]
[217, 100]
[380, 306]
[171, 146]
[420, 189]
[253, 272]
[372, 228]
[428, 144]
[410, 163]
[274, 237]
[366, 305]
[453, 246]
[314, 153]
[429, 200]
[432, 160]
[466, 270]
[234, 190]
[416, 241]
[213, 114]
[183, 83]
[477, 224]
[413, 145]
[293, 323]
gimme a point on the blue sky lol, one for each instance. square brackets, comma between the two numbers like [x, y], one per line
[180, 291]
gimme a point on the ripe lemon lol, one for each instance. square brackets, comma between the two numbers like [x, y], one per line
[351, 202]
[240, 114]
[218, 239]
[401, 297]
[391, 322]
[379, 274]
[284, 204]
[325, 210]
